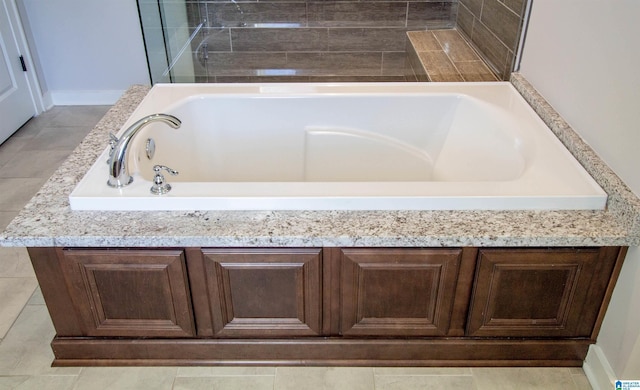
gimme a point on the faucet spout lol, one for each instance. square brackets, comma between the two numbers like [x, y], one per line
[118, 168]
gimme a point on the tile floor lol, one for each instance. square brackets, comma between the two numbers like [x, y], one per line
[26, 160]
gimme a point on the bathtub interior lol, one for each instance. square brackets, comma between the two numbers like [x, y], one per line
[427, 137]
[419, 146]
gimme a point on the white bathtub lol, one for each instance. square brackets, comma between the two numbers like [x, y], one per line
[405, 146]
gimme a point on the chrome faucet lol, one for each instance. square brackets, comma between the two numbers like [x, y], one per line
[118, 168]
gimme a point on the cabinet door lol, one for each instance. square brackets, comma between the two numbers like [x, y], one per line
[538, 292]
[258, 292]
[130, 293]
[397, 292]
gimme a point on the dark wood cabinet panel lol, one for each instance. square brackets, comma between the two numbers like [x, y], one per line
[398, 292]
[333, 306]
[130, 293]
[538, 292]
[259, 292]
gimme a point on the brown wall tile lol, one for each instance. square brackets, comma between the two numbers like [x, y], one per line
[355, 78]
[260, 79]
[244, 64]
[503, 22]
[491, 47]
[516, 6]
[465, 20]
[196, 13]
[241, 14]
[367, 39]
[217, 39]
[393, 63]
[474, 6]
[432, 15]
[270, 39]
[413, 66]
[279, 39]
[357, 14]
[327, 63]
[484, 20]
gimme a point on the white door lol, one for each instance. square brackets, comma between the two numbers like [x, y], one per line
[16, 104]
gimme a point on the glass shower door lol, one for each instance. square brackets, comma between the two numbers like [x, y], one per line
[225, 41]
[168, 35]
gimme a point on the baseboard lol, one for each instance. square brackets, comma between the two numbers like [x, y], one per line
[323, 351]
[47, 101]
[598, 370]
[85, 98]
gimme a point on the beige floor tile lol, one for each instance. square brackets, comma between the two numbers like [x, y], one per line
[15, 263]
[126, 378]
[34, 164]
[15, 193]
[37, 298]
[418, 371]
[581, 381]
[225, 383]
[12, 382]
[26, 350]
[37, 382]
[6, 217]
[389, 382]
[14, 294]
[523, 378]
[80, 116]
[29, 129]
[57, 138]
[11, 147]
[225, 371]
[326, 378]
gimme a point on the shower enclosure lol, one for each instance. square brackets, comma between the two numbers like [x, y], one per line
[309, 40]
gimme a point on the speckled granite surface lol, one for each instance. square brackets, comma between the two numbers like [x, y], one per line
[48, 221]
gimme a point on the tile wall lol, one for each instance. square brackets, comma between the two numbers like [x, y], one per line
[493, 26]
[308, 40]
[444, 55]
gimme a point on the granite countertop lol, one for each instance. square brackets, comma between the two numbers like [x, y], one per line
[47, 219]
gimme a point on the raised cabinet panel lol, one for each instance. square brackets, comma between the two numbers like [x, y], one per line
[130, 293]
[538, 292]
[262, 292]
[326, 306]
[398, 292]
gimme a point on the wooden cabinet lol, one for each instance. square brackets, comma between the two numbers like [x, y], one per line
[397, 292]
[257, 292]
[390, 306]
[538, 292]
[129, 293]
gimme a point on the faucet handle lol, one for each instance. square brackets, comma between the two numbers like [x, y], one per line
[159, 187]
[113, 141]
[158, 168]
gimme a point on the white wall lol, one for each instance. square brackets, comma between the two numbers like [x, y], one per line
[582, 56]
[89, 51]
